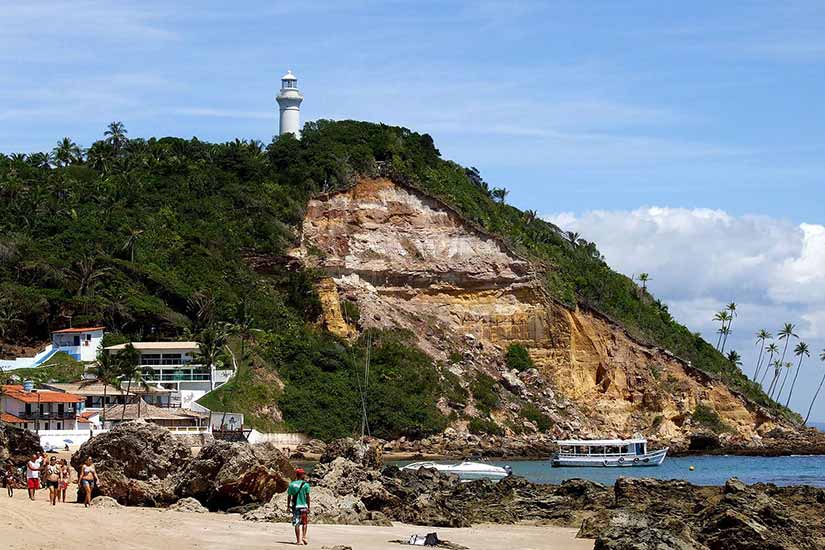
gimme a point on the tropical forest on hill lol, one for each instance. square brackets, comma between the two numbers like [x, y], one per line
[167, 237]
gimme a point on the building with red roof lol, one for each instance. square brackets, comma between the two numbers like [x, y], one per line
[39, 409]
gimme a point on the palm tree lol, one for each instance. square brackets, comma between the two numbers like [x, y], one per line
[115, 135]
[644, 278]
[723, 334]
[723, 316]
[9, 319]
[128, 367]
[131, 242]
[772, 350]
[777, 371]
[106, 372]
[761, 337]
[530, 216]
[732, 312]
[211, 342]
[86, 274]
[734, 358]
[786, 334]
[807, 416]
[801, 350]
[573, 237]
[499, 193]
[67, 152]
[242, 326]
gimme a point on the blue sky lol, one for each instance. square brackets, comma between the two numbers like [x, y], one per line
[679, 136]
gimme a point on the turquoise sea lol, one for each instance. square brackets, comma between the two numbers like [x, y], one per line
[709, 470]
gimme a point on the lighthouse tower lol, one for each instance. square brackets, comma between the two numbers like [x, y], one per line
[289, 100]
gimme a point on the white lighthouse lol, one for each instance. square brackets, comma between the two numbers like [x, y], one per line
[289, 100]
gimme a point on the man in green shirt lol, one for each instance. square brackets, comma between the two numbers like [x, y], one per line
[297, 501]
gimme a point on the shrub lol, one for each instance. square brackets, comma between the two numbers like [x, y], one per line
[534, 415]
[484, 425]
[710, 419]
[518, 358]
[484, 392]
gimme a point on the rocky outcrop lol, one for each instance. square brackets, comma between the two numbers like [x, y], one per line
[327, 507]
[105, 502]
[409, 261]
[366, 452]
[136, 462]
[189, 505]
[17, 445]
[226, 475]
[652, 514]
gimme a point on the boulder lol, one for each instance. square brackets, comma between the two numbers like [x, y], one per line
[229, 474]
[189, 505]
[136, 463]
[105, 502]
[366, 452]
[325, 507]
[17, 445]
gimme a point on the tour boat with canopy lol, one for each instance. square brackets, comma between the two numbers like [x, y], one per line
[606, 453]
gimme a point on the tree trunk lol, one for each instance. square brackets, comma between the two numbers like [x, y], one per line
[790, 393]
[782, 386]
[125, 402]
[807, 416]
[725, 339]
[767, 370]
[759, 362]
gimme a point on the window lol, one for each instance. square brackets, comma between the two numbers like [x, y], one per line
[289, 84]
[150, 358]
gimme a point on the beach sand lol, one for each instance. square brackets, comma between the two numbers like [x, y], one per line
[26, 525]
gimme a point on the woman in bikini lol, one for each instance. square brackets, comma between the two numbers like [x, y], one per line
[8, 478]
[88, 480]
[53, 480]
[65, 478]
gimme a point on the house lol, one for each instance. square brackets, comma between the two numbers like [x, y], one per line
[173, 419]
[36, 410]
[174, 366]
[94, 392]
[82, 344]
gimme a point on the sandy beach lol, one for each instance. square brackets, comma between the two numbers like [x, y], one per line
[27, 525]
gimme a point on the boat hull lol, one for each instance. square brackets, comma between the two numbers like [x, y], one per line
[629, 461]
[466, 471]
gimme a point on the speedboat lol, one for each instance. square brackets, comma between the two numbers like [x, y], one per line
[466, 471]
[606, 453]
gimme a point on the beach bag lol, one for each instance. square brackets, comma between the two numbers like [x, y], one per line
[430, 539]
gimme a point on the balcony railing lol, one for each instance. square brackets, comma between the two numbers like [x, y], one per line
[177, 377]
[67, 415]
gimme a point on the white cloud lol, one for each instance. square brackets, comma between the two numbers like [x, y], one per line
[700, 259]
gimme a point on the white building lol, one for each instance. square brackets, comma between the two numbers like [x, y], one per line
[289, 101]
[36, 410]
[82, 344]
[171, 365]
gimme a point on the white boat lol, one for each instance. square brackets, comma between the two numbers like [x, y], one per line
[606, 453]
[466, 471]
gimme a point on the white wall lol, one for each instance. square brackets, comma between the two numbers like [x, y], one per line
[279, 439]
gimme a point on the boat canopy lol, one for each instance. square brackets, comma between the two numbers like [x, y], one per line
[599, 442]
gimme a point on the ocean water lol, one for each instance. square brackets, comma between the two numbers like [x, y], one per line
[708, 470]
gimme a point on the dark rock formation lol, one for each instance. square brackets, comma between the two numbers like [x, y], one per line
[652, 514]
[136, 463]
[17, 445]
[366, 452]
[226, 475]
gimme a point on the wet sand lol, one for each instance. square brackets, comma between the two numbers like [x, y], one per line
[26, 525]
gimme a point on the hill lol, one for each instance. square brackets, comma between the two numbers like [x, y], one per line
[164, 237]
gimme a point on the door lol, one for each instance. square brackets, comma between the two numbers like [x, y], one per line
[77, 340]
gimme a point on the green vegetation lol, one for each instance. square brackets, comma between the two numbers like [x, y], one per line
[484, 392]
[710, 419]
[161, 237]
[60, 368]
[534, 415]
[483, 425]
[518, 358]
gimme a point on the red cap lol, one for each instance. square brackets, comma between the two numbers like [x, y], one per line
[299, 471]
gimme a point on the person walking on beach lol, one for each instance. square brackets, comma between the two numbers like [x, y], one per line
[297, 501]
[33, 475]
[53, 480]
[65, 478]
[8, 478]
[88, 480]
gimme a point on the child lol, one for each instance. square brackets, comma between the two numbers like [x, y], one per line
[8, 479]
[65, 478]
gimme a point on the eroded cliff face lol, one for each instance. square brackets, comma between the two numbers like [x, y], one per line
[409, 261]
